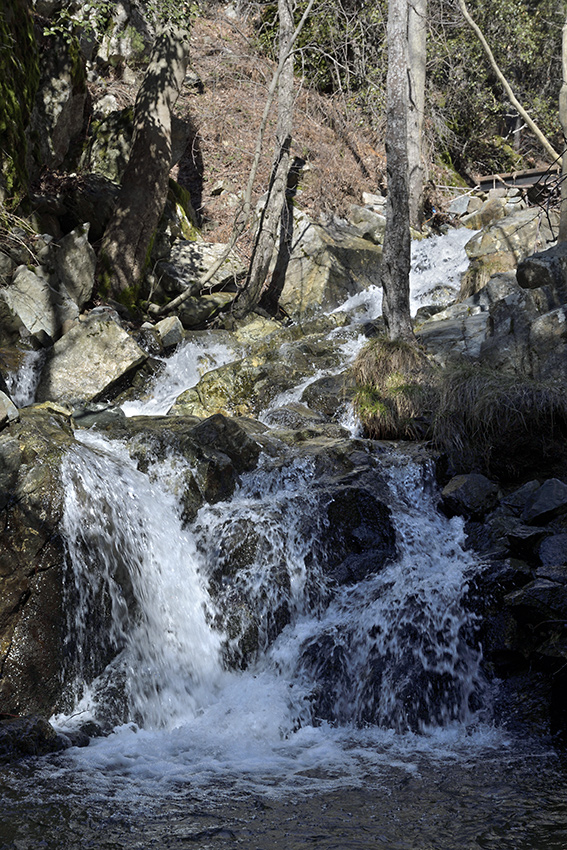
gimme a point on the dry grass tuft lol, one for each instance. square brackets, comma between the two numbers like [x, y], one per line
[396, 389]
[502, 425]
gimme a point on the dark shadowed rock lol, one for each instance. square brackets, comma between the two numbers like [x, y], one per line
[547, 503]
[471, 496]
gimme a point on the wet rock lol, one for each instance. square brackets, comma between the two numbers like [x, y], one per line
[32, 620]
[88, 361]
[361, 538]
[8, 410]
[28, 736]
[226, 435]
[539, 601]
[329, 395]
[553, 551]
[294, 416]
[525, 539]
[471, 496]
[170, 331]
[547, 503]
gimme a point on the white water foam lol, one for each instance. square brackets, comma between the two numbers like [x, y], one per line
[181, 371]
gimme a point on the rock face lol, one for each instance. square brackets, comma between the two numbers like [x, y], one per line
[89, 361]
[32, 619]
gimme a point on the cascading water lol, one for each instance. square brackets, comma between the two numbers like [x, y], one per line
[259, 694]
[135, 566]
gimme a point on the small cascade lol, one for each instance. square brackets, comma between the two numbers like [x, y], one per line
[398, 650]
[180, 372]
[22, 384]
[140, 613]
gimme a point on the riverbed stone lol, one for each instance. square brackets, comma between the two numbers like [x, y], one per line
[36, 305]
[28, 736]
[553, 551]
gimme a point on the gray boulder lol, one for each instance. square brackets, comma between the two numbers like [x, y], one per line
[35, 304]
[88, 361]
[75, 263]
[500, 247]
[327, 265]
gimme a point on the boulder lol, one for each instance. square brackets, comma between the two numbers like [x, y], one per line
[32, 561]
[500, 247]
[28, 736]
[525, 541]
[546, 503]
[553, 551]
[8, 410]
[34, 304]
[170, 331]
[57, 116]
[539, 601]
[189, 262]
[360, 538]
[89, 361]
[75, 262]
[471, 496]
[327, 265]
[545, 268]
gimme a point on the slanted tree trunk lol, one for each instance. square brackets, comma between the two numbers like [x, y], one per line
[397, 242]
[275, 206]
[563, 120]
[128, 236]
[417, 42]
[542, 139]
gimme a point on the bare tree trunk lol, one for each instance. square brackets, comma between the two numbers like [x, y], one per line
[417, 42]
[563, 120]
[128, 236]
[275, 205]
[397, 242]
[542, 139]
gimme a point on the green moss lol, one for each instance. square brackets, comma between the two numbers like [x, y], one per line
[19, 79]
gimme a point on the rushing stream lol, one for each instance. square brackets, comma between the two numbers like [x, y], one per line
[361, 718]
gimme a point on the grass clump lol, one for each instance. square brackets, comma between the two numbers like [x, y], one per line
[395, 390]
[503, 425]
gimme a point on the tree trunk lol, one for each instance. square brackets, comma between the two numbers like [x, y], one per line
[563, 121]
[542, 139]
[275, 206]
[128, 236]
[417, 41]
[397, 242]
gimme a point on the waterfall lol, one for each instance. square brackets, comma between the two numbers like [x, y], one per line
[174, 616]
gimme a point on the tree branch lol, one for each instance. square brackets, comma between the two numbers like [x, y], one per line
[513, 99]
